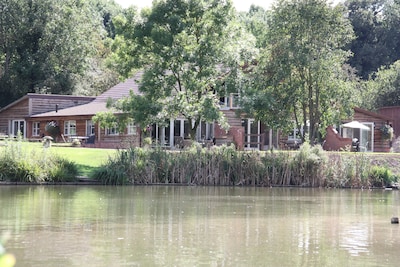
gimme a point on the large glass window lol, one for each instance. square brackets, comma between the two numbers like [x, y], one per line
[36, 129]
[70, 127]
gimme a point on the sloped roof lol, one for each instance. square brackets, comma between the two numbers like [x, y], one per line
[371, 114]
[122, 89]
[99, 103]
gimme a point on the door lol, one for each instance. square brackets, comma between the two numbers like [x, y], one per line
[366, 138]
[252, 134]
[18, 127]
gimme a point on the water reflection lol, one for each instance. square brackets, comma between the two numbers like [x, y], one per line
[355, 239]
[199, 226]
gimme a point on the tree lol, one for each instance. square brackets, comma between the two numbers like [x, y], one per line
[46, 46]
[190, 52]
[376, 26]
[300, 75]
[384, 89]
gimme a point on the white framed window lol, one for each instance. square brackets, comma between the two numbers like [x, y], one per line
[89, 128]
[36, 128]
[112, 131]
[131, 128]
[70, 127]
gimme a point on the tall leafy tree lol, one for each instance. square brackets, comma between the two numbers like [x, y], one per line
[384, 89]
[46, 45]
[376, 24]
[190, 52]
[300, 75]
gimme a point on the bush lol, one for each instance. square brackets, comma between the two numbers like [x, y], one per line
[62, 170]
[20, 165]
[308, 165]
[381, 176]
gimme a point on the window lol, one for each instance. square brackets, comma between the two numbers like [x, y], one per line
[36, 129]
[131, 128]
[295, 134]
[112, 130]
[89, 127]
[70, 127]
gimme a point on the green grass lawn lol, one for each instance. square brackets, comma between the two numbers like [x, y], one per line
[86, 159]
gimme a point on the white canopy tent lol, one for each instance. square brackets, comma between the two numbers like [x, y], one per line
[356, 125]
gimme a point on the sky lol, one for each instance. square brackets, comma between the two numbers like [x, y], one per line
[241, 5]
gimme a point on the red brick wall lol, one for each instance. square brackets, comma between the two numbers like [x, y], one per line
[238, 136]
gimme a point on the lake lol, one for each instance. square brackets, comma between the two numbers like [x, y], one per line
[199, 226]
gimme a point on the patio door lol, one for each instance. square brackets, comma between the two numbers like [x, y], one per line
[251, 134]
[366, 138]
[18, 127]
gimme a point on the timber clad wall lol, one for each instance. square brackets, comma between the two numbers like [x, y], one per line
[17, 112]
[394, 114]
[380, 144]
[42, 105]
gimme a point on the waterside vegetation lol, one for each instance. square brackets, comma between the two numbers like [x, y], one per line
[225, 166]
[22, 162]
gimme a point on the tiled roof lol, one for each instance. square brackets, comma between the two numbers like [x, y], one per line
[122, 89]
[99, 103]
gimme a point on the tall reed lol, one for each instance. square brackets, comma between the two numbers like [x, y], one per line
[224, 165]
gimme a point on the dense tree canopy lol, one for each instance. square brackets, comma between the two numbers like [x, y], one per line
[48, 45]
[190, 51]
[376, 24]
[300, 74]
[290, 62]
[384, 89]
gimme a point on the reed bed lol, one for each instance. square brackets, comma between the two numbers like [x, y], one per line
[225, 166]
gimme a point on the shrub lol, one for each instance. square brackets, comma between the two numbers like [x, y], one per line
[308, 165]
[62, 170]
[380, 176]
[36, 166]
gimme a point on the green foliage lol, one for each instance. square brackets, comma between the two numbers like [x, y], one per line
[381, 176]
[61, 170]
[52, 44]
[224, 165]
[375, 23]
[190, 53]
[300, 76]
[308, 164]
[219, 166]
[18, 164]
[383, 89]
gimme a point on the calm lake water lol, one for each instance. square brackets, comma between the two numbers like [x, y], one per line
[199, 226]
